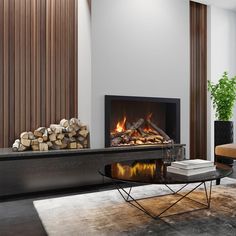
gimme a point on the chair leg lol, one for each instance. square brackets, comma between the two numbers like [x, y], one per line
[218, 182]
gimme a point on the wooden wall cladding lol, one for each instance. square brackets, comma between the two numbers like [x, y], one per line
[198, 84]
[38, 64]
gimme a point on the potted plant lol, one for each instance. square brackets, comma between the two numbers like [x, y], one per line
[223, 95]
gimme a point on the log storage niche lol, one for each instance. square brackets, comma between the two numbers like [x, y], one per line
[71, 134]
[133, 121]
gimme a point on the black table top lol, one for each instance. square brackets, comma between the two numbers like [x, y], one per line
[154, 171]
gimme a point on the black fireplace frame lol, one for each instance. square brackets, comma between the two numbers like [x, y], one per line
[110, 98]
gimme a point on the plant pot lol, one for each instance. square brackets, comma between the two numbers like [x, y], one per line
[224, 133]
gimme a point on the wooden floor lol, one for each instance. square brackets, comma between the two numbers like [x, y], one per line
[19, 217]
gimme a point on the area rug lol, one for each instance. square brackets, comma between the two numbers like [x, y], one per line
[106, 213]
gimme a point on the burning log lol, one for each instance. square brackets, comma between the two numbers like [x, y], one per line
[159, 130]
[68, 134]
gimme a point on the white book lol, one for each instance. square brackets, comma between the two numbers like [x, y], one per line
[192, 164]
[190, 172]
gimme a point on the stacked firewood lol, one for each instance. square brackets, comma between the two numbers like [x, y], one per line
[71, 134]
[144, 131]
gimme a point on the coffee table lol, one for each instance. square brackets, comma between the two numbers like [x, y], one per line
[154, 171]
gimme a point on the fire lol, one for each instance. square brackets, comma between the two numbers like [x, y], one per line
[138, 168]
[149, 116]
[120, 126]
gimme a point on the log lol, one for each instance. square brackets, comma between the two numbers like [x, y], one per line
[69, 129]
[60, 136]
[24, 135]
[22, 148]
[49, 143]
[52, 137]
[75, 124]
[43, 147]
[35, 147]
[116, 141]
[79, 146]
[160, 131]
[65, 141]
[31, 135]
[56, 128]
[49, 131]
[45, 135]
[16, 145]
[137, 124]
[71, 134]
[143, 134]
[72, 139]
[139, 142]
[25, 142]
[58, 142]
[39, 132]
[40, 140]
[34, 142]
[83, 133]
[81, 139]
[64, 123]
[72, 145]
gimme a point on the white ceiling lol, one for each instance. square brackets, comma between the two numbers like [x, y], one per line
[227, 4]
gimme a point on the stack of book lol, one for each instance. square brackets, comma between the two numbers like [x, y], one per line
[191, 167]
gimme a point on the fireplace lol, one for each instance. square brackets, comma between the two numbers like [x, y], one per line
[141, 121]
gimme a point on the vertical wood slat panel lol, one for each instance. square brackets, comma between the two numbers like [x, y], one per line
[53, 57]
[5, 114]
[27, 65]
[17, 77]
[11, 123]
[1, 67]
[198, 83]
[38, 64]
[22, 63]
[58, 57]
[48, 62]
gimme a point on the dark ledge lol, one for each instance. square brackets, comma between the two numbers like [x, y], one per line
[8, 154]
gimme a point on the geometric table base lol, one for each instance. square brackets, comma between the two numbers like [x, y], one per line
[134, 202]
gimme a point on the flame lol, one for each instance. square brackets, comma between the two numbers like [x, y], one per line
[149, 116]
[143, 168]
[120, 126]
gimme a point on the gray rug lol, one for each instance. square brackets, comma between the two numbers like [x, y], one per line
[106, 213]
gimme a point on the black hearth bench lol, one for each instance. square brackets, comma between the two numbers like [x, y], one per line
[30, 172]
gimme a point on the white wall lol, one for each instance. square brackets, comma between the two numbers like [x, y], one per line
[84, 62]
[139, 48]
[221, 54]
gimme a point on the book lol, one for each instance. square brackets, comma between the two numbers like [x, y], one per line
[192, 164]
[190, 172]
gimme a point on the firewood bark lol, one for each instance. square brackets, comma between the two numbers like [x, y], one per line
[39, 132]
[45, 135]
[64, 123]
[16, 145]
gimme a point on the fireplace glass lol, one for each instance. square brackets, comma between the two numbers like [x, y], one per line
[141, 120]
